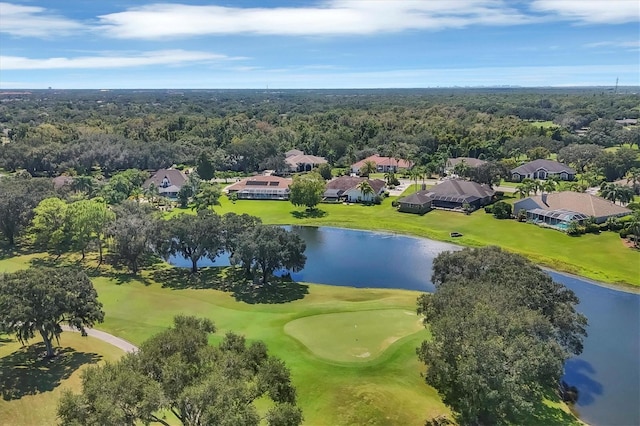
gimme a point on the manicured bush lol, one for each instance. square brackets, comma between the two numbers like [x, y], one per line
[488, 209]
[502, 210]
[592, 228]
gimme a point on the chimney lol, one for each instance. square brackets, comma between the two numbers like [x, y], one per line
[544, 199]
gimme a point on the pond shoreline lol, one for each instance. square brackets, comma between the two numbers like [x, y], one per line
[623, 287]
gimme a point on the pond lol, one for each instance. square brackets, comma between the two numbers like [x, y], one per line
[607, 373]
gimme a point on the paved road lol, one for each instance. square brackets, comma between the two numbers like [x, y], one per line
[106, 337]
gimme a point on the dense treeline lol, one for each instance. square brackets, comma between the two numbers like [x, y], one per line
[49, 133]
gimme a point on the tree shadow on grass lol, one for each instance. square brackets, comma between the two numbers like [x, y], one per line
[235, 281]
[27, 372]
[308, 214]
[543, 414]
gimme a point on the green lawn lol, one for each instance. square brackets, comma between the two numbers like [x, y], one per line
[31, 387]
[600, 257]
[311, 327]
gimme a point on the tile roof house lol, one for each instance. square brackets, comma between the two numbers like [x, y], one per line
[469, 161]
[542, 169]
[292, 152]
[383, 164]
[302, 162]
[261, 188]
[560, 208]
[418, 202]
[631, 184]
[454, 193]
[345, 187]
[168, 181]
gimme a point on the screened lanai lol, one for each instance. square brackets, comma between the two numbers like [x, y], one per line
[559, 218]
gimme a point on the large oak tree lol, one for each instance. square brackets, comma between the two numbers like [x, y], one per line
[39, 300]
[178, 371]
[502, 329]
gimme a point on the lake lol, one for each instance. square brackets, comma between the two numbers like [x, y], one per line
[607, 373]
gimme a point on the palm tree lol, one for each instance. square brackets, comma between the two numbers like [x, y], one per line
[368, 167]
[633, 177]
[365, 189]
[549, 186]
[634, 228]
[151, 193]
[523, 190]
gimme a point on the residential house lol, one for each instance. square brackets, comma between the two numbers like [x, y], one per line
[558, 209]
[346, 188]
[542, 169]
[261, 188]
[168, 181]
[60, 181]
[298, 161]
[631, 184]
[383, 164]
[418, 202]
[455, 193]
[469, 161]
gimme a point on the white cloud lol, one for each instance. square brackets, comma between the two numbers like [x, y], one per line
[592, 11]
[32, 21]
[633, 45]
[160, 57]
[335, 17]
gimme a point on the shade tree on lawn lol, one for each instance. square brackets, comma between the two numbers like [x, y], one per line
[134, 234]
[39, 300]
[307, 190]
[178, 371]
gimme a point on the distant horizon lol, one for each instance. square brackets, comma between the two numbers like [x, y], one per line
[151, 89]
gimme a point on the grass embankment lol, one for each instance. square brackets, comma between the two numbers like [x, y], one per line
[351, 351]
[31, 386]
[600, 257]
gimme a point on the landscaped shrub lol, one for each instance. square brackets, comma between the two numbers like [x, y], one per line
[624, 233]
[395, 203]
[502, 210]
[592, 228]
[635, 206]
[488, 209]
[575, 229]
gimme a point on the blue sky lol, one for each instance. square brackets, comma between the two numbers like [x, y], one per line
[114, 44]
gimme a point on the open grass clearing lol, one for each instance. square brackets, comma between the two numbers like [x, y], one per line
[31, 386]
[353, 336]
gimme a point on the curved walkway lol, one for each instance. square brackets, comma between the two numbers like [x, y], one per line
[106, 337]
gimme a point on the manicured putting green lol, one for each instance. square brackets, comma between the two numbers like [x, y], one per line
[353, 336]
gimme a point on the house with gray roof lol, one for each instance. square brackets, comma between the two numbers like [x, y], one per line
[418, 202]
[542, 169]
[168, 181]
[558, 209]
[454, 193]
[468, 161]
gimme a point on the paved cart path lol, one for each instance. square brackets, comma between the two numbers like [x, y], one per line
[106, 337]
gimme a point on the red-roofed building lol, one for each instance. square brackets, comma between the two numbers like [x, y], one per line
[383, 164]
[261, 188]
